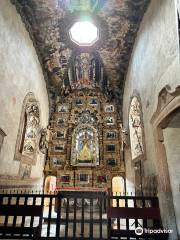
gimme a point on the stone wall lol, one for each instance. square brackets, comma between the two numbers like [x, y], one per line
[20, 73]
[154, 64]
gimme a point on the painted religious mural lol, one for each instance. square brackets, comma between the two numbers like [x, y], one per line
[81, 5]
[49, 21]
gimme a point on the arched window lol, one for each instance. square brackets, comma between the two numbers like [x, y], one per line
[27, 139]
[136, 129]
[118, 188]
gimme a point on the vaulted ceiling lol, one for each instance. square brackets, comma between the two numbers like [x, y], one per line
[48, 22]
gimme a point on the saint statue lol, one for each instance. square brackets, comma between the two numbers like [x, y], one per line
[85, 154]
[85, 146]
[85, 65]
[31, 129]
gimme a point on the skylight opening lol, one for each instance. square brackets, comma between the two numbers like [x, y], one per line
[84, 33]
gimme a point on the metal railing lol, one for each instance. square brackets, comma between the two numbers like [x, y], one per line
[73, 215]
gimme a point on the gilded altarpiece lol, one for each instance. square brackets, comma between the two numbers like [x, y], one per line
[85, 140]
[85, 131]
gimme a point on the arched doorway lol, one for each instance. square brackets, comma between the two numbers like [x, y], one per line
[118, 185]
[49, 187]
[50, 184]
[118, 189]
[171, 134]
[166, 124]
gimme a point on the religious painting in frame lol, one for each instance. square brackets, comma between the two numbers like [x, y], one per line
[57, 162]
[59, 148]
[93, 102]
[60, 134]
[109, 108]
[62, 108]
[79, 102]
[110, 120]
[111, 135]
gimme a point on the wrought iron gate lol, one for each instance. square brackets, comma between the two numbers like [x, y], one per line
[81, 215]
[72, 215]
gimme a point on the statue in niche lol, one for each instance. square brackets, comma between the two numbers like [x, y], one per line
[124, 138]
[86, 154]
[85, 146]
[32, 125]
[135, 127]
[85, 65]
[77, 70]
[94, 70]
[43, 143]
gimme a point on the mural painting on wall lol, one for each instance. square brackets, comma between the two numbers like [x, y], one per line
[85, 71]
[81, 5]
[31, 130]
[24, 171]
[135, 128]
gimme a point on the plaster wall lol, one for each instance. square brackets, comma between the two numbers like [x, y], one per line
[20, 73]
[154, 64]
[177, 5]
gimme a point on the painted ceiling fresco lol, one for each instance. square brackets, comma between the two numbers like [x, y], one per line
[48, 22]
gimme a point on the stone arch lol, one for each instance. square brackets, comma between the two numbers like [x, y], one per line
[29, 126]
[168, 108]
[167, 103]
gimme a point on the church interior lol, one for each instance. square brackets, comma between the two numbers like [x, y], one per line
[90, 118]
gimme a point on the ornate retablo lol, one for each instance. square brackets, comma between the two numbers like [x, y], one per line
[85, 141]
